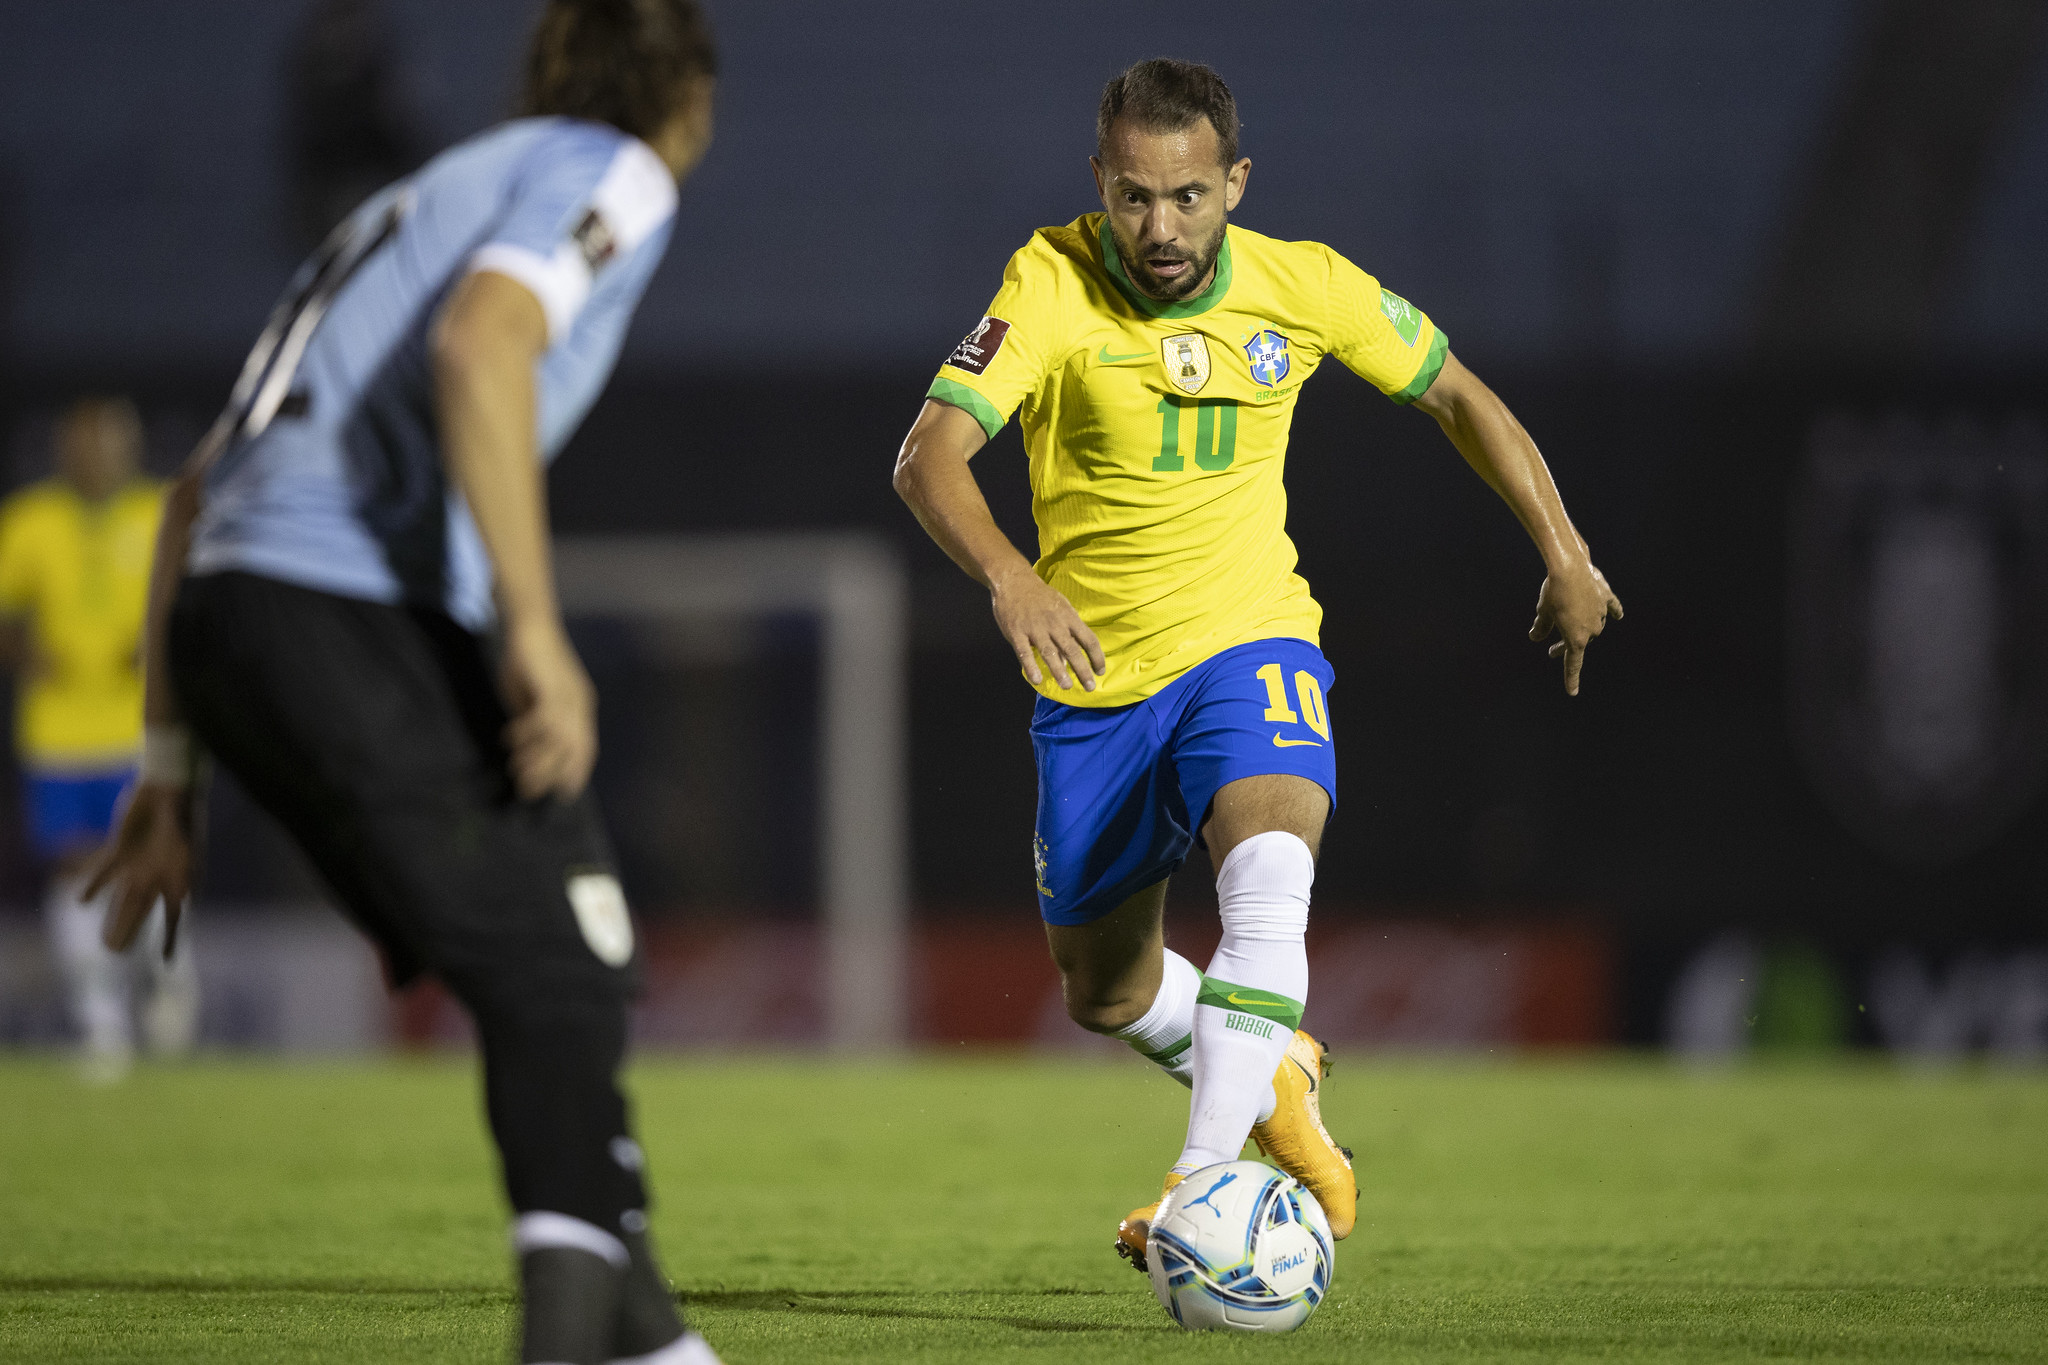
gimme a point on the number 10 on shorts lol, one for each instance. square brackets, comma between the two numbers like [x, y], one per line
[1306, 688]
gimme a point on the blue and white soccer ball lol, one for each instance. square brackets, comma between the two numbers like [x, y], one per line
[1240, 1247]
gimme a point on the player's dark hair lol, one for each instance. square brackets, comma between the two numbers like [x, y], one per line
[623, 62]
[1165, 96]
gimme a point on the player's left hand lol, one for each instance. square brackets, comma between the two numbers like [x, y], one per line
[552, 737]
[148, 859]
[1575, 606]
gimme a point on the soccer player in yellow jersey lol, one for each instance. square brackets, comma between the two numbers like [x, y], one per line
[74, 576]
[1154, 354]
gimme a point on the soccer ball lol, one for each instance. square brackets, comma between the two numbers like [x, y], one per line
[1240, 1247]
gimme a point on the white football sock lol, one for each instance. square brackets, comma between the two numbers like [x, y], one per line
[1166, 1035]
[95, 977]
[1252, 995]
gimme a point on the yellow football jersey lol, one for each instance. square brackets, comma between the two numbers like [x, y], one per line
[78, 573]
[1157, 433]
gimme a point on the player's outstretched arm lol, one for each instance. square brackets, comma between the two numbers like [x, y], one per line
[932, 476]
[490, 335]
[1575, 602]
[150, 854]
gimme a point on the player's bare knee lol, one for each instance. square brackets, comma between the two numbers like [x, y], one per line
[1263, 804]
[1102, 1011]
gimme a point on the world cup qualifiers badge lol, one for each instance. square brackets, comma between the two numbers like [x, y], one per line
[979, 346]
[1267, 353]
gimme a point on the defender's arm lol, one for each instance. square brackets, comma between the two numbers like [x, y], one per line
[150, 854]
[491, 334]
[933, 478]
[1575, 602]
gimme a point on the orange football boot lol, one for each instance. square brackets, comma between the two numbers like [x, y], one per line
[1295, 1140]
[1137, 1225]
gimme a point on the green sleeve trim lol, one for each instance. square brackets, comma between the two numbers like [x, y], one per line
[1245, 1000]
[1439, 347]
[1219, 285]
[968, 401]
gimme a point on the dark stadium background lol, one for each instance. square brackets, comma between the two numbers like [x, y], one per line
[1675, 238]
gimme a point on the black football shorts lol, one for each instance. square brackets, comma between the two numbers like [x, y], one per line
[373, 734]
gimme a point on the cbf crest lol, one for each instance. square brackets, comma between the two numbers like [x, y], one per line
[1270, 362]
[1038, 861]
[1187, 361]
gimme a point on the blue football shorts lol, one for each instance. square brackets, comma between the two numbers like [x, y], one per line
[68, 812]
[1123, 790]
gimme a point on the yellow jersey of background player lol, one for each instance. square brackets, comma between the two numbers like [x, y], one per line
[74, 575]
[74, 583]
[1155, 353]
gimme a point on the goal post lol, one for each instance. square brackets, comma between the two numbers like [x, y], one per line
[854, 585]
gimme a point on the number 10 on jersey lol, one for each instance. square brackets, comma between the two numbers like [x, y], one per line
[1215, 435]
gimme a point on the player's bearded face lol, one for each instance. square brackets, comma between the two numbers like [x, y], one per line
[1168, 270]
[1169, 196]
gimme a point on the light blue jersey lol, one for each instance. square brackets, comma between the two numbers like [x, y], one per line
[331, 475]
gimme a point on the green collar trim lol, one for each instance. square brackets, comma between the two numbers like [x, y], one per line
[1151, 307]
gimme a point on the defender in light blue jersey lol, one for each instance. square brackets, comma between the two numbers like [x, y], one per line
[342, 488]
[353, 609]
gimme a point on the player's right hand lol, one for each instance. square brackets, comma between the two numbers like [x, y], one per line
[148, 858]
[1040, 623]
[552, 736]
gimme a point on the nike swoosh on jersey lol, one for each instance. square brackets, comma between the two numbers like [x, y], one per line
[1280, 743]
[1235, 999]
[1104, 357]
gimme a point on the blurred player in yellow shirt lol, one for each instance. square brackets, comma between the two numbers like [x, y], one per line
[1153, 354]
[74, 578]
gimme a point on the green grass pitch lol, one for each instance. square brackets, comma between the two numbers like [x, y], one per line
[962, 1209]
